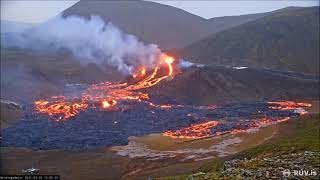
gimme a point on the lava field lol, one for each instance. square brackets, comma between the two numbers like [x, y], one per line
[93, 128]
[106, 114]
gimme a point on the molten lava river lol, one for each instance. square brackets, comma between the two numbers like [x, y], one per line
[106, 114]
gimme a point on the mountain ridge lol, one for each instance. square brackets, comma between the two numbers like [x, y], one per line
[286, 40]
[164, 25]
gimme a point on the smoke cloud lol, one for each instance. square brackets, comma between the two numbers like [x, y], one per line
[186, 64]
[90, 40]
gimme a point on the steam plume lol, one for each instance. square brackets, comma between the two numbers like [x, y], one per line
[91, 40]
[186, 64]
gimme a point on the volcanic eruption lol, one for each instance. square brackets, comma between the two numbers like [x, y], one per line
[107, 113]
[107, 94]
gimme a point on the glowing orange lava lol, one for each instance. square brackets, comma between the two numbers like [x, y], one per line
[107, 93]
[59, 109]
[202, 130]
[290, 105]
[107, 104]
[196, 131]
[143, 71]
[155, 76]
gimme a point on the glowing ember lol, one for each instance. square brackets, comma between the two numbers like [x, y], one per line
[143, 71]
[107, 104]
[165, 106]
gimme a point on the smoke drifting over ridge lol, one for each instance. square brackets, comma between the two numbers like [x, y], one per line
[91, 40]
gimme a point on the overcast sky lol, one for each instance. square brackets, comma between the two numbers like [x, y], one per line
[39, 11]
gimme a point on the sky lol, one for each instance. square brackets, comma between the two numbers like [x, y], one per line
[39, 11]
[210, 8]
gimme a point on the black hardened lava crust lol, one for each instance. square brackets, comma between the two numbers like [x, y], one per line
[93, 128]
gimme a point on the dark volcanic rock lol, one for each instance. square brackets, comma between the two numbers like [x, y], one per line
[94, 128]
[220, 85]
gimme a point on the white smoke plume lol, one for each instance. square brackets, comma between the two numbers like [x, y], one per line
[186, 64]
[90, 40]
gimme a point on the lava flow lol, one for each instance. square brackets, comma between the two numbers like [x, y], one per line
[196, 131]
[287, 105]
[290, 105]
[106, 94]
[202, 130]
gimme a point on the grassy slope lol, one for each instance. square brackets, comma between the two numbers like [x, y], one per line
[286, 40]
[298, 136]
[304, 138]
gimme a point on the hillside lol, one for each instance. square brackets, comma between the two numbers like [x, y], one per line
[226, 22]
[10, 113]
[286, 40]
[26, 75]
[218, 85]
[166, 26]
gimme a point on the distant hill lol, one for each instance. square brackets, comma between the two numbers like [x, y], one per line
[219, 85]
[287, 40]
[167, 26]
[11, 26]
[222, 23]
[28, 75]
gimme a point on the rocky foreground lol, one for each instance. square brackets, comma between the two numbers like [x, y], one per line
[273, 167]
[303, 165]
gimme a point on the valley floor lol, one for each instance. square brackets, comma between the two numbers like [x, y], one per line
[243, 155]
